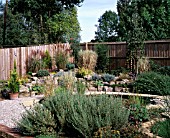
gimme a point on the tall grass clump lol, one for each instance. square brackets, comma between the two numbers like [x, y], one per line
[75, 115]
[87, 59]
[143, 64]
[152, 83]
[67, 81]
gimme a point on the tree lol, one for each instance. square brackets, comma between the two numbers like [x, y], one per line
[27, 21]
[64, 26]
[107, 28]
[154, 14]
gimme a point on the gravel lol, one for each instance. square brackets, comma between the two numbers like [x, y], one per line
[10, 111]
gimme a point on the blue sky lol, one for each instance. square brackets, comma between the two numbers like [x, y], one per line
[88, 15]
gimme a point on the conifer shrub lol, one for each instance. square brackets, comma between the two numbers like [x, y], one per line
[108, 77]
[103, 58]
[87, 59]
[42, 73]
[152, 83]
[74, 115]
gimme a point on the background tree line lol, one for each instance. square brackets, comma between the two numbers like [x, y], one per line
[26, 22]
[151, 19]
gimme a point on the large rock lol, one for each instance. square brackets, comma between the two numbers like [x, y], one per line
[23, 89]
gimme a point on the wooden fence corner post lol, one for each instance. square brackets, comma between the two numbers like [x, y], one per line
[86, 45]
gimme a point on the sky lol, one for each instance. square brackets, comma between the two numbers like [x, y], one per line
[88, 15]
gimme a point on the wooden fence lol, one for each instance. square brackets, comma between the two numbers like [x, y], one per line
[22, 56]
[158, 51]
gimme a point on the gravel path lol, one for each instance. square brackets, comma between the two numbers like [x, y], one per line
[11, 110]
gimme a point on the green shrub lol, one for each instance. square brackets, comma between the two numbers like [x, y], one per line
[108, 77]
[74, 115]
[153, 66]
[38, 88]
[88, 114]
[96, 77]
[61, 59]
[152, 83]
[70, 66]
[87, 59]
[42, 73]
[119, 70]
[83, 72]
[164, 70]
[47, 136]
[81, 87]
[138, 110]
[37, 121]
[103, 58]
[161, 128]
[47, 60]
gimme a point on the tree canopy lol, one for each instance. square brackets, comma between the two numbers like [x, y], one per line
[107, 28]
[153, 20]
[40, 21]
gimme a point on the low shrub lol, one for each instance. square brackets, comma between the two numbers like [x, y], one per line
[42, 73]
[70, 66]
[138, 111]
[96, 77]
[37, 121]
[164, 70]
[154, 66]
[38, 88]
[81, 87]
[108, 77]
[119, 70]
[61, 59]
[161, 128]
[152, 83]
[74, 115]
[5, 92]
[83, 72]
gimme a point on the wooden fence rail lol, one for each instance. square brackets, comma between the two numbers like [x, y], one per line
[22, 56]
[158, 51]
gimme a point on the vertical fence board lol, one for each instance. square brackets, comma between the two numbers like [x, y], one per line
[158, 51]
[22, 55]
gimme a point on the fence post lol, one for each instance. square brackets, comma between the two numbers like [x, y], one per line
[86, 45]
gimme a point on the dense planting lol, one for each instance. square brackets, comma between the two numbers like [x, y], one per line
[79, 114]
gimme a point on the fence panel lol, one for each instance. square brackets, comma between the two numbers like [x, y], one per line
[22, 55]
[158, 51]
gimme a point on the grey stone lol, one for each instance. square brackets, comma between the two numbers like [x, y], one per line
[23, 89]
